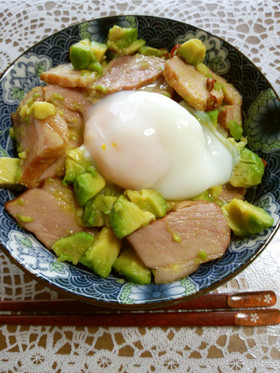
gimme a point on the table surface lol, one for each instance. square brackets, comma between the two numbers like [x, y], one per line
[254, 28]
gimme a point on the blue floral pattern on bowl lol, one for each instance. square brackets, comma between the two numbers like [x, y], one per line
[23, 76]
[261, 111]
[138, 294]
[30, 252]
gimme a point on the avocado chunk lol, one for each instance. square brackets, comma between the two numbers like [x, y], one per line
[99, 50]
[111, 190]
[97, 211]
[129, 265]
[101, 256]
[248, 171]
[235, 130]
[132, 48]
[244, 218]
[72, 170]
[149, 51]
[123, 41]
[126, 217]
[42, 110]
[77, 163]
[39, 110]
[193, 51]
[9, 168]
[122, 36]
[73, 247]
[148, 200]
[87, 186]
[87, 55]
[81, 156]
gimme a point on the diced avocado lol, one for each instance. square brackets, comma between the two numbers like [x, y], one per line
[72, 248]
[42, 110]
[78, 162]
[8, 171]
[148, 200]
[111, 190]
[123, 41]
[99, 50]
[87, 186]
[235, 130]
[131, 267]
[149, 51]
[97, 211]
[122, 37]
[72, 170]
[87, 55]
[126, 217]
[81, 56]
[244, 218]
[96, 66]
[193, 51]
[133, 47]
[39, 110]
[81, 156]
[101, 256]
[248, 171]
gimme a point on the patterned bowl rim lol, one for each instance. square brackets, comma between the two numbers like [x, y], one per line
[115, 305]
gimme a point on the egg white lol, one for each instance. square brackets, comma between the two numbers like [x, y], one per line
[142, 139]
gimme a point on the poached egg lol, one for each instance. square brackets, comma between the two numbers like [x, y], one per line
[140, 139]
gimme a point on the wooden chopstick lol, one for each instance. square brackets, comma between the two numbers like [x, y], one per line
[206, 301]
[241, 309]
[256, 317]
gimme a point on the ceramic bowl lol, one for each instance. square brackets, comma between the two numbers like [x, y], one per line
[261, 109]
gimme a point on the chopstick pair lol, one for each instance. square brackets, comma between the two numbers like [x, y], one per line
[240, 309]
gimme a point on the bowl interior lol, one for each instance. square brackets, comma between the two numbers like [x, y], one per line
[261, 109]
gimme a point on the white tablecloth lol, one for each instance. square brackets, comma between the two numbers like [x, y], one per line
[254, 28]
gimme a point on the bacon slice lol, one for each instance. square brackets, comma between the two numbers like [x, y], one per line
[230, 113]
[74, 107]
[49, 212]
[66, 76]
[172, 245]
[129, 72]
[45, 141]
[231, 94]
[67, 99]
[191, 85]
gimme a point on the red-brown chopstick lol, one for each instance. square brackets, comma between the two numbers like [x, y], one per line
[256, 317]
[207, 301]
[243, 309]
